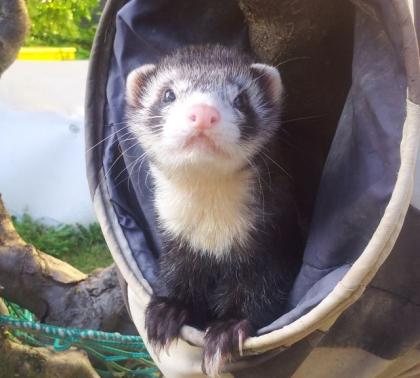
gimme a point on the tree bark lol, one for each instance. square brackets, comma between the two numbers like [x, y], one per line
[58, 294]
[14, 25]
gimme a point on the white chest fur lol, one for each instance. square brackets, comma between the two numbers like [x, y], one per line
[210, 215]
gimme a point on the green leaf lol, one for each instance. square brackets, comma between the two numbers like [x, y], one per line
[63, 23]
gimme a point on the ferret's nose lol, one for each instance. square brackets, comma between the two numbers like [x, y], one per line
[203, 116]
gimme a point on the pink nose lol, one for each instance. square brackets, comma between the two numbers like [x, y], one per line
[203, 116]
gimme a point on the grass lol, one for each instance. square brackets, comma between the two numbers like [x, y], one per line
[83, 247]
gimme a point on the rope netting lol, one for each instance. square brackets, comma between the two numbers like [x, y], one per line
[112, 354]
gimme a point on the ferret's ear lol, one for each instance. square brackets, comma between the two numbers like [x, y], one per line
[270, 77]
[135, 80]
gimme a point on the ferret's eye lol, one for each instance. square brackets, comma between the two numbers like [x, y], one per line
[169, 96]
[240, 102]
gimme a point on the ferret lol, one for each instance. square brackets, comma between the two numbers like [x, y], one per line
[208, 120]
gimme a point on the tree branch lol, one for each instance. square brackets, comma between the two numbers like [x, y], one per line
[56, 292]
[14, 25]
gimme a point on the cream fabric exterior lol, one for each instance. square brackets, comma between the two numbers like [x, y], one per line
[182, 359]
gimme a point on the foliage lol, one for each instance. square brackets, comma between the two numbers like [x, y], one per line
[83, 247]
[63, 23]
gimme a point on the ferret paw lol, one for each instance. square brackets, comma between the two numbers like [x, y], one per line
[164, 320]
[222, 342]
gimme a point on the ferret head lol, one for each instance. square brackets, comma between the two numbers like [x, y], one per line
[204, 108]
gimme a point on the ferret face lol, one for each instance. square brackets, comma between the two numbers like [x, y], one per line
[205, 108]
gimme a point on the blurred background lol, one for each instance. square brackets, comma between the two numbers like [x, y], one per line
[42, 159]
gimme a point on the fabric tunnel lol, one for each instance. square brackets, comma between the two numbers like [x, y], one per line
[354, 310]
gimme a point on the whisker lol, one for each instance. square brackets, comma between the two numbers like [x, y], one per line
[146, 180]
[152, 117]
[124, 121]
[129, 119]
[127, 140]
[130, 165]
[268, 171]
[290, 60]
[277, 164]
[109, 136]
[139, 169]
[117, 159]
[261, 190]
[302, 119]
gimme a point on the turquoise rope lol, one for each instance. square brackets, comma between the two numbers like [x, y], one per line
[109, 348]
[71, 333]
